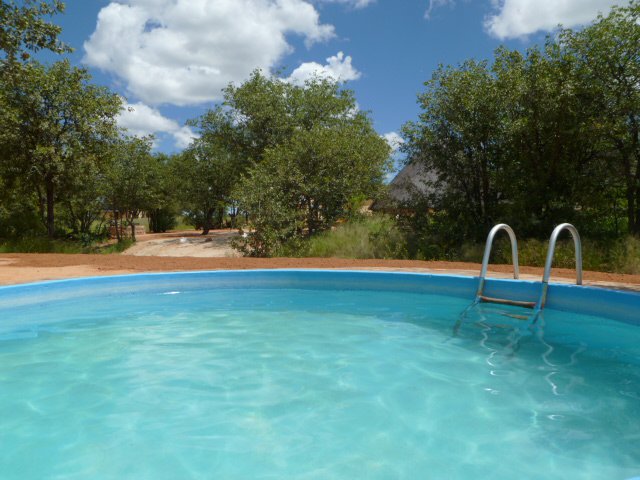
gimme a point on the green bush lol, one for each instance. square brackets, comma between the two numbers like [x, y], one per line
[376, 236]
[162, 219]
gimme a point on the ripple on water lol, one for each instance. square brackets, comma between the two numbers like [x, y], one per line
[270, 384]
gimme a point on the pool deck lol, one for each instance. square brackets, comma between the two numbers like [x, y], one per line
[25, 268]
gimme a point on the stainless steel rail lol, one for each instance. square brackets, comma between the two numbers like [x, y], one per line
[551, 251]
[487, 254]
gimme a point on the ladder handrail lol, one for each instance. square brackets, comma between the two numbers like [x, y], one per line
[550, 253]
[487, 254]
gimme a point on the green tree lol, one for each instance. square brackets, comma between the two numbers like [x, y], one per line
[269, 194]
[311, 152]
[550, 170]
[608, 63]
[132, 182]
[518, 141]
[83, 198]
[460, 138]
[162, 214]
[56, 120]
[208, 170]
[24, 28]
[264, 112]
[290, 157]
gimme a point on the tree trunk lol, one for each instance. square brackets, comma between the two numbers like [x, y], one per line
[485, 191]
[133, 227]
[219, 217]
[206, 223]
[636, 207]
[42, 205]
[630, 194]
[50, 212]
[116, 224]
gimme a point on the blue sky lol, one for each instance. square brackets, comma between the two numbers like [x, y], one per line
[170, 58]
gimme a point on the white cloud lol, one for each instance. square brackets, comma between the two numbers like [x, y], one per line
[517, 18]
[394, 140]
[351, 3]
[338, 68]
[141, 120]
[433, 4]
[184, 52]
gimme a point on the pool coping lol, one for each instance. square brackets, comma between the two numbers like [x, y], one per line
[615, 304]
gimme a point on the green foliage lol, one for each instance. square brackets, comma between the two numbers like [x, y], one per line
[376, 236]
[162, 219]
[133, 182]
[460, 136]
[41, 245]
[205, 174]
[17, 215]
[607, 60]
[533, 139]
[312, 153]
[54, 124]
[276, 222]
[162, 209]
[24, 28]
[431, 235]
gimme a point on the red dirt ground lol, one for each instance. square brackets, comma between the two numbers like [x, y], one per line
[21, 268]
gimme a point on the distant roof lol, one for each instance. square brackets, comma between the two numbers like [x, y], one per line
[413, 179]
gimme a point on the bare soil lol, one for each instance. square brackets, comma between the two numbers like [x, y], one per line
[185, 244]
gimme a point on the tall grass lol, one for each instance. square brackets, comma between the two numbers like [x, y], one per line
[46, 245]
[376, 236]
[40, 245]
[379, 236]
[620, 255]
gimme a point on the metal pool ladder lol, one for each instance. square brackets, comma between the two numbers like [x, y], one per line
[535, 306]
[547, 265]
[485, 265]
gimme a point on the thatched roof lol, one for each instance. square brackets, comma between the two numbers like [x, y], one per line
[413, 181]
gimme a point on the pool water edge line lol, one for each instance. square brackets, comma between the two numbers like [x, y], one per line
[615, 304]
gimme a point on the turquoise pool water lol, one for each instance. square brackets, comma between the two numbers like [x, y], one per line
[192, 381]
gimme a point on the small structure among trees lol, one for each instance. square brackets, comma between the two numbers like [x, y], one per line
[409, 190]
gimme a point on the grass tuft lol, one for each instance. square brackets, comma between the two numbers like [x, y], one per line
[376, 236]
[41, 245]
[616, 255]
[46, 245]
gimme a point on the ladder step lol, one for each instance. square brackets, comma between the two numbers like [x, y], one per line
[504, 301]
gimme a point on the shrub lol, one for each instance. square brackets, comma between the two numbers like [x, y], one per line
[162, 219]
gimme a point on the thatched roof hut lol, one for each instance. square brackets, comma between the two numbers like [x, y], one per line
[411, 183]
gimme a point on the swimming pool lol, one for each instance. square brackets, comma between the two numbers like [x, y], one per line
[314, 374]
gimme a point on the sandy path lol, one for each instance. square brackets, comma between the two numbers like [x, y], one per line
[185, 244]
[21, 268]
